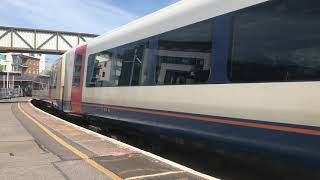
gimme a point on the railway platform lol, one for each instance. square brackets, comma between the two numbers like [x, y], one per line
[37, 145]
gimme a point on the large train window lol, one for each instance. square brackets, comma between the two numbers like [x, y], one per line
[99, 71]
[121, 66]
[185, 55]
[132, 64]
[276, 41]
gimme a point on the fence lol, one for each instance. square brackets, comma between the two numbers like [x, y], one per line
[10, 93]
[41, 93]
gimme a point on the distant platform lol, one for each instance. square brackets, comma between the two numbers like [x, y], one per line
[37, 145]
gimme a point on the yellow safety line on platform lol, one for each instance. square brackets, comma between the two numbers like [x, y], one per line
[73, 149]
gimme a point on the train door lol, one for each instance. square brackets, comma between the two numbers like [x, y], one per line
[77, 80]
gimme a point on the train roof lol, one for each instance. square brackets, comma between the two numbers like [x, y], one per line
[180, 14]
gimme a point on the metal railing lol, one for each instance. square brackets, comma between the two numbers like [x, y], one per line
[10, 93]
[40, 93]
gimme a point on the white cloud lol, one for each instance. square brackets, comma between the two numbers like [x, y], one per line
[88, 16]
[94, 16]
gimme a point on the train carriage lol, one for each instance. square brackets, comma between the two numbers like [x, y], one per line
[245, 73]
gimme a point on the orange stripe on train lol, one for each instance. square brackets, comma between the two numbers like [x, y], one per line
[216, 120]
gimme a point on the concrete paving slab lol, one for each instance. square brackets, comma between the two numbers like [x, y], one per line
[9, 161]
[83, 138]
[69, 132]
[133, 165]
[14, 133]
[11, 129]
[78, 169]
[9, 122]
[104, 148]
[21, 148]
[48, 172]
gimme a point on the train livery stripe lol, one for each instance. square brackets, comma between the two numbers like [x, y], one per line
[212, 119]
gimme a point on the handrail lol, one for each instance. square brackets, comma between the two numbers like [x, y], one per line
[6, 93]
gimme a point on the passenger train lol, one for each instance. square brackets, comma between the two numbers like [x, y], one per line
[242, 73]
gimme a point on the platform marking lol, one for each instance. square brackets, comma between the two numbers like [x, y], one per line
[71, 134]
[72, 149]
[135, 149]
[155, 175]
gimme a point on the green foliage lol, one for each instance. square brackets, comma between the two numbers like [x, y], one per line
[47, 72]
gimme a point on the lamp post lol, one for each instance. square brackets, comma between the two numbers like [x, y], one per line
[7, 79]
[7, 84]
[3, 81]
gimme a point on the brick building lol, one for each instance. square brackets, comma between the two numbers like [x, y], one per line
[23, 71]
[27, 65]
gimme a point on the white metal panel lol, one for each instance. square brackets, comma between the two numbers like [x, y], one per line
[27, 36]
[293, 103]
[81, 42]
[87, 38]
[2, 32]
[73, 40]
[6, 41]
[17, 42]
[42, 37]
[51, 44]
[62, 44]
[39, 41]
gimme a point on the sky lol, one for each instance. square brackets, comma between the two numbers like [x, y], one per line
[84, 16]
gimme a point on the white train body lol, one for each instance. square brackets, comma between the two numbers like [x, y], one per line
[279, 111]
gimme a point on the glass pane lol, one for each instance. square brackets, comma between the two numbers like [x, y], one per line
[99, 71]
[185, 55]
[77, 71]
[277, 41]
[132, 64]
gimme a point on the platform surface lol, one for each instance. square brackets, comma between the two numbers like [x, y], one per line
[35, 145]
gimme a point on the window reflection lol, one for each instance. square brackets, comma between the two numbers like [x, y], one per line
[182, 56]
[54, 75]
[133, 64]
[99, 71]
[77, 71]
[277, 41]
[185, 55]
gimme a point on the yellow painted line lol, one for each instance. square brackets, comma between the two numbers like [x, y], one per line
[72, 149]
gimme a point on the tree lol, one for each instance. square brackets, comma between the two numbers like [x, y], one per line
[47, 72]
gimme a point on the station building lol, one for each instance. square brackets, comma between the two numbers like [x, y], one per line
[25, 70]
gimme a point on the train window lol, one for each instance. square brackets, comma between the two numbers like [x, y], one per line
[276, 41]
[54, 76]
[122, 66]
[77, 71]
[132, 64]
[185, 55]
[100, 71]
